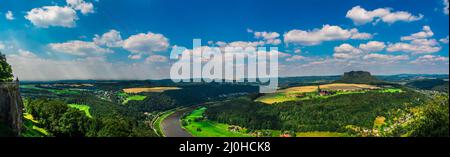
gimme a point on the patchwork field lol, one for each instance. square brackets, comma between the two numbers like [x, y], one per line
[309, 92]
[333, 86]
[152, 89]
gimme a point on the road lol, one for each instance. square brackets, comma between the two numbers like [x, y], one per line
[171, 126]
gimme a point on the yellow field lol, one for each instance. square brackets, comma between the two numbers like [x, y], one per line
[152, 89]
[333, 86]
[291, 94]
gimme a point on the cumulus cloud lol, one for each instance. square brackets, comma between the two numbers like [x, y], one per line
[26, 54]
[361, 16]
[110, 39]
[9, 15]
[295, 58]
[79, 48]
[346, 51]
[156, 59]
[81, 5]
[418, 46]
[52, 16]
[146, 43]
[326, 33]
[444, 40]
[383, 57]
[268, 37]
[425, 33]
[430, 59]
[372, 46]
[36, 68]
[417, 43]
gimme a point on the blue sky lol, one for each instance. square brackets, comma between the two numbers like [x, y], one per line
[54, 39]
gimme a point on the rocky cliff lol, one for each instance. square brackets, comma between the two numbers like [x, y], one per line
[11, 106]
[362, 77]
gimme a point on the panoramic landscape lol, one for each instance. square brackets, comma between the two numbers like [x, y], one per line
[85, 68]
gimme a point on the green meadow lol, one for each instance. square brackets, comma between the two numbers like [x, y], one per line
[84, 108]
[200, 127]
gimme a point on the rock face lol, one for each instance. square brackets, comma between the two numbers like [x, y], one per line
[362, 77]
[11, 106]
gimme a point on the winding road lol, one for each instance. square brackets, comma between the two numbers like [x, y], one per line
[171, 126]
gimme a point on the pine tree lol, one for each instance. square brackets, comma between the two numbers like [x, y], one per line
[6, 74]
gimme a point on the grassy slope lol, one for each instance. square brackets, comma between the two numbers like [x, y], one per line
[208, 128]
[213, 129]
[134, 98]
[83, 108]
[284, 97]
[30, 127]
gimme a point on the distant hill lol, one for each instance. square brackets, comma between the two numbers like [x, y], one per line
[430, 84]
[360, 77]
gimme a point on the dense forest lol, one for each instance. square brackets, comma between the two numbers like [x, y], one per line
[60, 120]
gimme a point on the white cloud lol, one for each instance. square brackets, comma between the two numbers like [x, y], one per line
[372, 46]
[245, 44]
[346, 51]
[9, 15]
[156, 59]
[81, 5]
[268, 37]
[418, 46]
[110, 39]
[146, 43]
[135, 57]
[326, 33]
[295, 58]
[36, 68]
[444, 40]
[383, 57]
[445, 6]
[52, 16]
[430, 59]
[418, 43]
[26, 54]
[425, 33]
[79, 48]
[361, 16]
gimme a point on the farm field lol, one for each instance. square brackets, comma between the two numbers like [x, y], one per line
[309, 92]
[152, 89]
[134, 98]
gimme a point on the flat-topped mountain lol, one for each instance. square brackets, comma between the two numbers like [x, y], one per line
[360, 77]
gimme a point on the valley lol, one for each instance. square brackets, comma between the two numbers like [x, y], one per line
[302, 107]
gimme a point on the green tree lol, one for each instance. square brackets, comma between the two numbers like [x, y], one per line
[6, 74]
[435, 121]
[73, 123]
